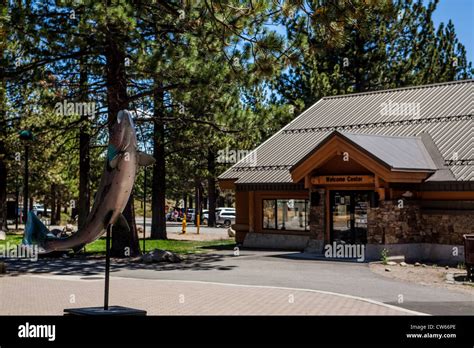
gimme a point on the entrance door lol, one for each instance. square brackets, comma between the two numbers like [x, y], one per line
[349, 216]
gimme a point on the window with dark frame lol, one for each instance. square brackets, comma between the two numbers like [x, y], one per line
[285, 214]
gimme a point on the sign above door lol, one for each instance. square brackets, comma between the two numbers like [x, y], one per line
[342, 180]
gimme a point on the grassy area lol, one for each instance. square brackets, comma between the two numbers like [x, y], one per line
[12, 239]
[176, 246]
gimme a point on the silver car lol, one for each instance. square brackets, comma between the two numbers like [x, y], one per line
[226, 218]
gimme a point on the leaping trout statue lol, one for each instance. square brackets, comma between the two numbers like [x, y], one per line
[112, 196]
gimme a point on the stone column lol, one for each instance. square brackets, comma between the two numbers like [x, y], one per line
[317, 220]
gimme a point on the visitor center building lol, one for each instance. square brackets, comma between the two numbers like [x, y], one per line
[389, 169]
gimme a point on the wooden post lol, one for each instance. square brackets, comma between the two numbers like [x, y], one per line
[251, 211]
[307, 182]
[379, 188]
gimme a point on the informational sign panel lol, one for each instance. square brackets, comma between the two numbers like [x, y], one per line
[342, 180]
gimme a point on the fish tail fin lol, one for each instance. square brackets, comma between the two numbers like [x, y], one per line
[36, 233]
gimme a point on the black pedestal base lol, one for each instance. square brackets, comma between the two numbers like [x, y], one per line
[99, 311]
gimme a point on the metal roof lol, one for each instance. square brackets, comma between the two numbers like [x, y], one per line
[444, 111]
[397, 152]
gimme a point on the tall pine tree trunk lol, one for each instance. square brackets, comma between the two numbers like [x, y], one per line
[117, 99]
[84, 154]
[3, 127]
[53, 204]
[57, 213]
[198, 196]
[3, 167]
[125, 244]
[158, 198]
[211, 187]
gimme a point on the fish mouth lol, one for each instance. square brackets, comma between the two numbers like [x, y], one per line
[121, 115]
[125, 117]
[123, 131]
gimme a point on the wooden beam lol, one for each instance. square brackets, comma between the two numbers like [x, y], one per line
[448, 195]
[307, 182]
[377, 181]
[251, 211]
[381, 192]
[227, 184]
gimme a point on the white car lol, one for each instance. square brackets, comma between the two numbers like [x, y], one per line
[38, 209]
[225, 209]
[226, 218]
[205, 213]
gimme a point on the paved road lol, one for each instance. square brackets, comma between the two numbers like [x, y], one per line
[172, 228]
[176, 227]
[287, 270]
[276, 269]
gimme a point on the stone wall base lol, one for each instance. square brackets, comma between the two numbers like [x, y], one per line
[240, 236]
[275, 241]
[315, 246]
[421, 252]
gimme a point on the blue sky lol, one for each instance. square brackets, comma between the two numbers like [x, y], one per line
[461, 12]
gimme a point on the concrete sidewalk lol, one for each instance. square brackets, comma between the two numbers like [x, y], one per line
[49, 295]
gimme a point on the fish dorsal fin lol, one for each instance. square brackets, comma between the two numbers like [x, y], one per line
[35, 230]
[122, 223]
[145, 159]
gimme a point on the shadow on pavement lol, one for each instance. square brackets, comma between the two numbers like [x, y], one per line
[317, 257]
[438, 308]
[219, 247]
[83, 266]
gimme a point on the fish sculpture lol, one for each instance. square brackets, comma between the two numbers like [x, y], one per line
[118, 178]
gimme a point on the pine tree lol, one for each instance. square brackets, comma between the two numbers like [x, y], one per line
[383, 45]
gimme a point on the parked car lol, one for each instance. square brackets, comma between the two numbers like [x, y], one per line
[205, 214]
[40, 211]
[191, 215]
[225, 218]
[230, 209]
[175, 215]
[205, 217]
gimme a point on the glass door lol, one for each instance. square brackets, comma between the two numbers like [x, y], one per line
[349, 216]
[341, 217]
[361, 204]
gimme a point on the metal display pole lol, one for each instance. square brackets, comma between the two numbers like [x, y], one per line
[25, 188]
[107, 268]
[144, 209]
[17, 203]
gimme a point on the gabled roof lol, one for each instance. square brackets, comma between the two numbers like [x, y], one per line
[396, 153]
[444, 111]
[399, 153]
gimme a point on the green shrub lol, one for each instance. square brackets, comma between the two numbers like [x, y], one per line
[384, 256]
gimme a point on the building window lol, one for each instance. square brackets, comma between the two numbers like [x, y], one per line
[269, 214]
[286, 214]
